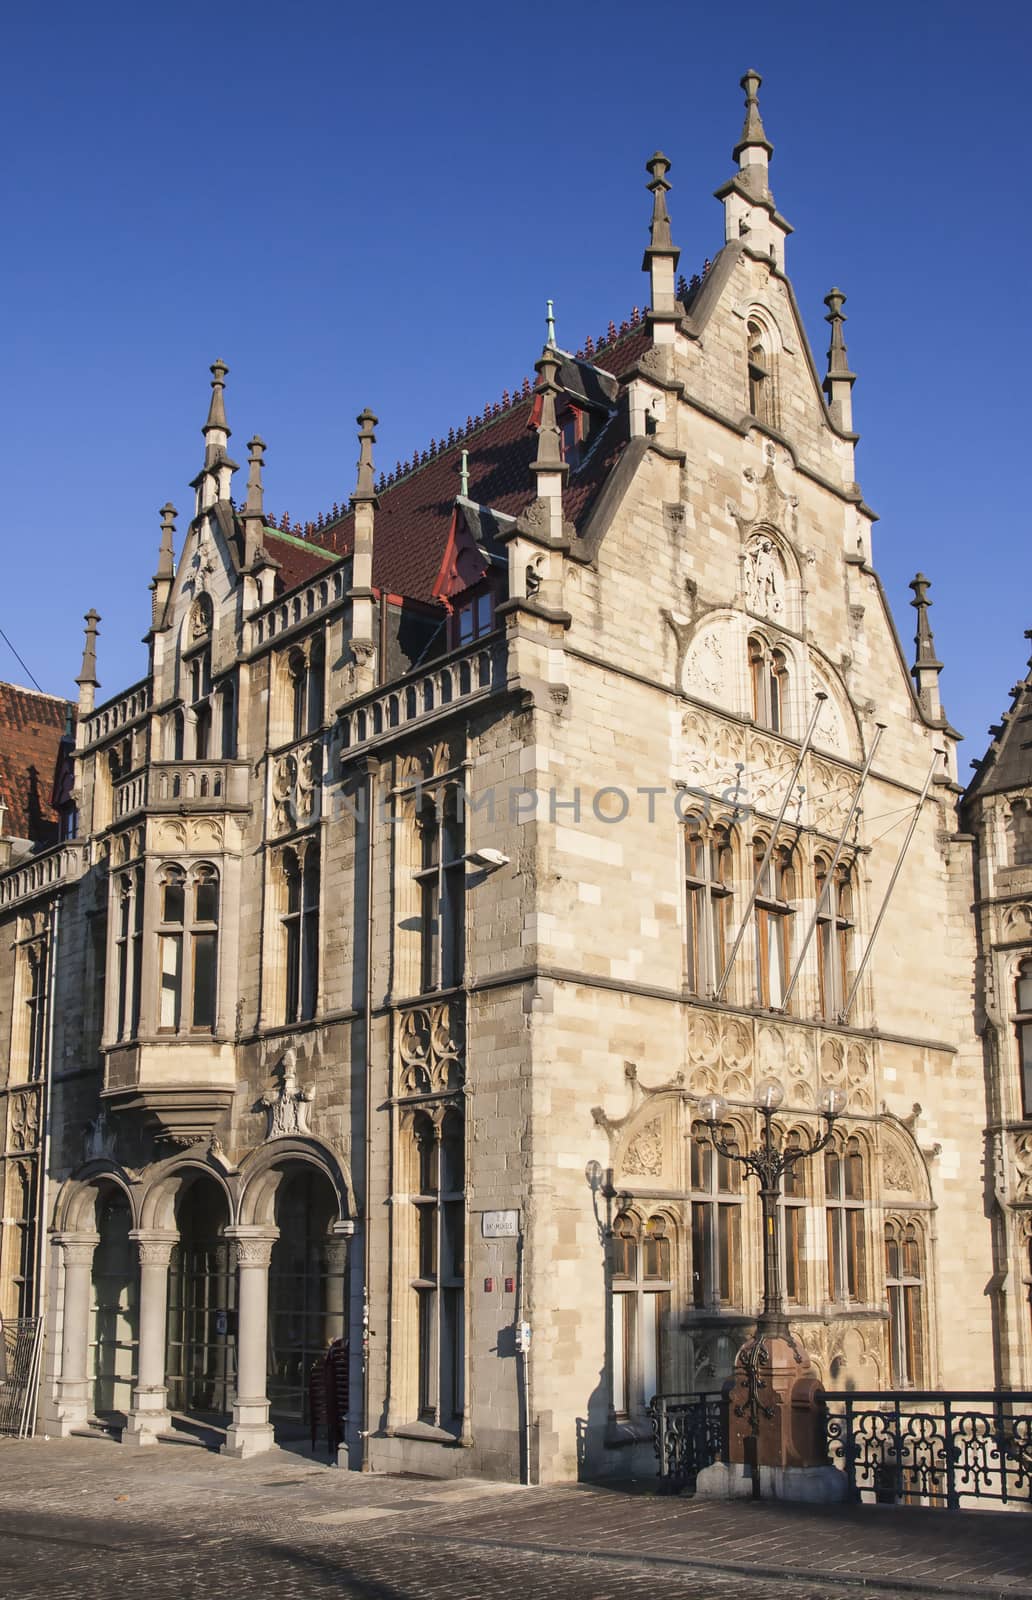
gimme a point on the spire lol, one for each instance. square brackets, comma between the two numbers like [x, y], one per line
[213, 481]
[363, 505]
[161, 583]
[217, 409]
[838, 385]
[661, 257]
[927, 666]
[753, 133]
[365, 489]
[254, 506]
[749, 209]
[87, 680]
[549, 458]
[550, 323]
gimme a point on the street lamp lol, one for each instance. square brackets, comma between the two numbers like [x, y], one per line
[768, 1163]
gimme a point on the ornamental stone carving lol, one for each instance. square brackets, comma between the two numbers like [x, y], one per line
[288, 1110]
[764, 578]
[431, 1049]
[154, 1250]
[1023, 1166]
[23, 1133]
[77, 1248]
[295, 788]
[644, 1156]
[254, 1252]
[896, 1171]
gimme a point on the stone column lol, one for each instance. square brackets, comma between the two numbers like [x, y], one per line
[149, 1416]
[251, 1431]
[73, 1386]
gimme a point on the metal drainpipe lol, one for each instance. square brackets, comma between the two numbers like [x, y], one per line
[366, 1242]
[42, 1177]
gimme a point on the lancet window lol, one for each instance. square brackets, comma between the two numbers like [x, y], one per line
[769, 680]
[441, 878]
[438, 1281]
[774, 912]
[188, 949]
[834, 929]
[299, 923]
[904, 1284]
[709, 885]
[845, 1212]
[716, 1201]
[641, 1278]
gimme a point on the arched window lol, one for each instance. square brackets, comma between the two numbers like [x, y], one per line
[1019, 834]
[834, 926]
[760, 381]
[228, 718]
[129, 951]
[641, 1279]
[305, 675]
[440, 1265]
[716, 1222]
[188, 913]
[300, 923]
[441, 879]
[774, 912]
[709, 882]
[904, 1286]
[1023, 1021]
[793, 1228]
[845, 1208]
[769, 680]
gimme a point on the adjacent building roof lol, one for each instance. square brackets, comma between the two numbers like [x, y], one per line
[31, 728]
[1007, 764]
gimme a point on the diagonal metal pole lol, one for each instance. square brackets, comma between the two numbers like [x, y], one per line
[830, 878]
[820, 697]
[862, 968]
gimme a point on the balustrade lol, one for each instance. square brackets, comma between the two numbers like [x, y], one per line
[63, 863]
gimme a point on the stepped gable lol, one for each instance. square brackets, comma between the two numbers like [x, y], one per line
[31, 728]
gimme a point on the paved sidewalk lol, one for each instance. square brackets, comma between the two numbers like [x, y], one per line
[82, 1520]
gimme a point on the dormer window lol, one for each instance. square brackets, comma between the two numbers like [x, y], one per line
[473, 619]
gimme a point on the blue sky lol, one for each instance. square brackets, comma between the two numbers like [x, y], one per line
[368, 205]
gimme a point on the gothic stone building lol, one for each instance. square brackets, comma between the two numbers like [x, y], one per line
[452, 848]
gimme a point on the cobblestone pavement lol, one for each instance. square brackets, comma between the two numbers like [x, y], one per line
[81, 1518]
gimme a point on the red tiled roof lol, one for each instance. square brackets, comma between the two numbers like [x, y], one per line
[299, 559]
[31, 726]
[414, 513]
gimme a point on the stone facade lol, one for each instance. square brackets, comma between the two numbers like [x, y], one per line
[392, 957]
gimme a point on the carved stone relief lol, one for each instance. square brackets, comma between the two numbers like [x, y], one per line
[295, 788]
[431, 1049]
[644, 1154]
[23, 1121]
[708, 671]
[1023, 1166]
[288, 1110]
[764, 577]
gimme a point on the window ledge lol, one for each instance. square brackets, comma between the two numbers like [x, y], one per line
[427, 1432]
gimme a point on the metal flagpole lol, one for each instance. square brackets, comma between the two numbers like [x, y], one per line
[862, 968]
[820, 696]
[829, 880]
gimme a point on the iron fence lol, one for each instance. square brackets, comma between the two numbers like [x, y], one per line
[932, 1447]
[688, 1431]
[20, 1340]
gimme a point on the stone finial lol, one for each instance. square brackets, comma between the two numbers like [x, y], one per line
[927, 666]
[167, 549]
[662, 255]
[464, 472]
[753, 133]
[659, 228]
[839, 381]
[550, 324]
[87, 672]
[217, 409]
[365, 488]
[549, 456]
[254, 506]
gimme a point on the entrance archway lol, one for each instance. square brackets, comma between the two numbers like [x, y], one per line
[308, 1297]
[200, 1362]
[114, 1308]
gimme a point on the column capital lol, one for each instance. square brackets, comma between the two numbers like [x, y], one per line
[153, 1245]
[78, 1248]
[253, 1244]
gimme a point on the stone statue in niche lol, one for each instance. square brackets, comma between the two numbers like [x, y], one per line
[764, 579]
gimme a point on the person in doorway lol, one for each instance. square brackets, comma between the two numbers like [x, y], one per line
[328, 1397]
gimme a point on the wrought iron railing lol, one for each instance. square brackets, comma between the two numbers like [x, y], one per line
[933, 1447]
[688, 1431]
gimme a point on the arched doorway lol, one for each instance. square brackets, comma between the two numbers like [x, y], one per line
[308, 1297]
[114, 1308]
[201, 1350]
